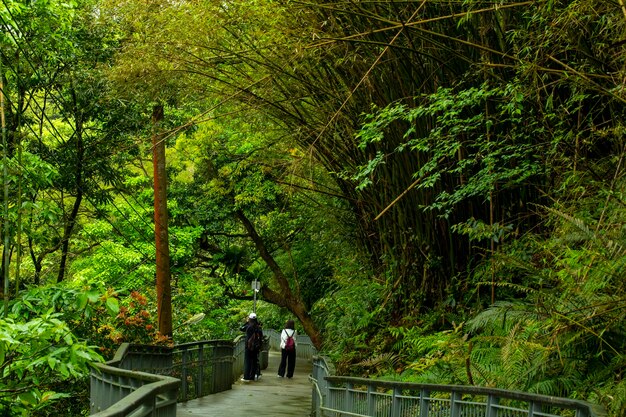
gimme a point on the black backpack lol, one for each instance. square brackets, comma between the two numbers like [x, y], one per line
[255, 341]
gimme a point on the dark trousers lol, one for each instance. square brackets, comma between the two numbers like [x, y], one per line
[250, 364]
[288, 361]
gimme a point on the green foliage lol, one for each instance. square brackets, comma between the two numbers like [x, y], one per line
[478, 230]
[195, 293]
[431, 357]
[74, 303]
[117, 251]
[352, 316]
[44, 24]
[477, 135]
[36, 354]
[68, 327]
[528, 108]
[560, 331]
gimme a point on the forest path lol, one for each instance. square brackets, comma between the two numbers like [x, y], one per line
[269, 396]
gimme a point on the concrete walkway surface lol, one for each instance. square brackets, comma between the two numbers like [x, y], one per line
[270, 396]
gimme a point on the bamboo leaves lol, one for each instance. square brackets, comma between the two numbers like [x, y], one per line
[476, 143]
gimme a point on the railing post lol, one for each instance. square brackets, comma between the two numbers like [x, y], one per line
[183, 373]
[219, 377]
[200, 371]
[582, 412]
[395, 402]
[371, 404]
[424, 403]
[455, 406]
[319, 386]
[216, 376]
[348, 400]
[533, 408]
[492, 401]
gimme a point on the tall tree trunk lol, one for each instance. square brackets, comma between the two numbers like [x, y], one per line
[37, 262]
[163, 275]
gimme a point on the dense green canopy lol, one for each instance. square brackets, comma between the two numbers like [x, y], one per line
[434, 189]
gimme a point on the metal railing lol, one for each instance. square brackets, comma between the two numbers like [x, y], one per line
[117, 392]
[203, 368]
[239, 348]
[148, 380]
[337, 396]
[144, 380]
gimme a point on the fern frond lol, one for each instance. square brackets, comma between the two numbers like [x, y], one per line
[502, 284]
[574, 221]
[383, 360]
[501, 316]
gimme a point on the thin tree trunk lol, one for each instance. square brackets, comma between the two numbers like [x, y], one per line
[67, 233]
[78, 181]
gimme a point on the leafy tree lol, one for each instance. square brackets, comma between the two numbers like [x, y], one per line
[27, 69]
[249, 226]
[68, 122]
[36, 354]
[44, 358]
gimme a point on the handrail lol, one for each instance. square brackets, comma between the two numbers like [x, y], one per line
[142, 379]
[145, 380]
[362, 397]
[141, 392]
[121, 389]
[239, 347]
[155, 392]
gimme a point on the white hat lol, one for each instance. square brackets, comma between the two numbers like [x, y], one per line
[252, 316]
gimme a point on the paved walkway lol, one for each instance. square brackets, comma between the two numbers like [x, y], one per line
[269, 397]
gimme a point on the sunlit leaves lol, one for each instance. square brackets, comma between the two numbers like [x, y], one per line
[36, 352]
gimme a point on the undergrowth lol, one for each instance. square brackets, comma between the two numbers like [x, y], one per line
[557, 327]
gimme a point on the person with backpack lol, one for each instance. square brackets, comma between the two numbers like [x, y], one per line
[254, 343]
[287, 350]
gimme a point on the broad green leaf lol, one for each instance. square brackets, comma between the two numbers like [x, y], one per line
[28, 398]
[81, 300]
[113, 306]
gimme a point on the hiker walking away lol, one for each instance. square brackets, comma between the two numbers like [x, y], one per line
[287, 350]
[254, 341]
[243, 328]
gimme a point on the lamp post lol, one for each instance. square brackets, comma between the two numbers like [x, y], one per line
[256, 286]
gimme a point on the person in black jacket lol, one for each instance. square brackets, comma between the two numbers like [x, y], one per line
[253, 345]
